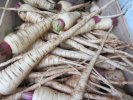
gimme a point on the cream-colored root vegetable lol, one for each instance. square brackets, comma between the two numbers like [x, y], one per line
[116, 75]
[106, 23]
[27, 16]
[44, 4]
[63, 5]
[65, 20]
[49, 94]
[51, 60]
[24, 38]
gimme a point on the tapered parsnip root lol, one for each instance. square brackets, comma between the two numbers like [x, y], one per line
[28, 95]
[116, 76]
[88, 26]
[44, 4]
[64, 21]
[24, 38]
[67, 6]
[106, 23]
[97, 97]
[55, 85]
[51, 60]
[63, 5]
[10, 61]
[49, 94]
[75, 7]
[71, 54]
[31, 17]
[64, 69]
[62, 52]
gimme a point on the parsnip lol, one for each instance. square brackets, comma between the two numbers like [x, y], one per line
[44, 4]
[22, 39]
[57, 70]
[31, 17]
[106, 23]
[51, 60]
[63, 5]
[64, 21]
[71, 54]
[89, 26]
[49, 94]
[115, 75]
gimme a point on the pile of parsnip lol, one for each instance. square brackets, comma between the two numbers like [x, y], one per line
[61, 52]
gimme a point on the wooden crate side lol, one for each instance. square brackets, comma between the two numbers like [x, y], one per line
[10, 19]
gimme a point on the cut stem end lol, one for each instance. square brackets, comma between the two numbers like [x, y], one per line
[58, 25]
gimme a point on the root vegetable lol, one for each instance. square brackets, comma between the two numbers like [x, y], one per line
[43, 4]
[27, 16]
[88, 26]
[17, 43]
[55, 85]
[67, 6]
[94, 7]
[64, 21]
[115, 75]
[49, 94]
[31, 88]
[51, 60]
[90, 36]
[63, 5]
[58, 86]
[75, 7]
[101, 33]
[5, 51]
[56, 70]
[97, 97]
[106, 23]
[71, 54]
